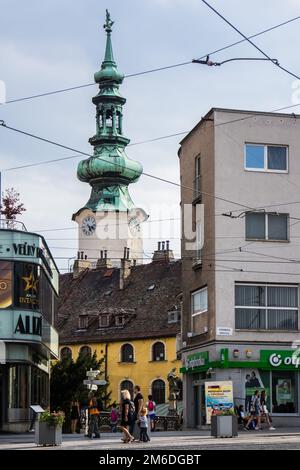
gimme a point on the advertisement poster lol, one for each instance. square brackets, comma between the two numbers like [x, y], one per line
[6, 277]
[27, 286]
[218, 397]
[284, 391]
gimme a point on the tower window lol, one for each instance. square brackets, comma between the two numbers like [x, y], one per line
[108, 118]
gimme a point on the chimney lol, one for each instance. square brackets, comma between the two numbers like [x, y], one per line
[80, 264]
[103, 261]
[163, 253]
[125, 268]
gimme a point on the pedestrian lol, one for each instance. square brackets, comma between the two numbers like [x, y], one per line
[93, 417]
[151, 407]
[138, 405]
[127, 415]
[255, 411]
[114, 418]
[143, 423]
[264, 410]
[75, 414]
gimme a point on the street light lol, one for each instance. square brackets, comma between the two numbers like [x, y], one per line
[210, 63]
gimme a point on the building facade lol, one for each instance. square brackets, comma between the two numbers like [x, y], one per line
[109, 221]
[241, 273]
[130, 316]
[28, 340]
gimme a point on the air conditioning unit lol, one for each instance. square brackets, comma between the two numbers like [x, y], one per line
[205, 329]
[190, 334]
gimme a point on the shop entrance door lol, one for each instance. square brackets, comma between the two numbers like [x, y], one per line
[202, 404]
[196, 406]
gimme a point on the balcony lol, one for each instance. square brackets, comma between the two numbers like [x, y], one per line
[9, 224]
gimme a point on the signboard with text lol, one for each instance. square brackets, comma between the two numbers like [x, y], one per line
[218, 398]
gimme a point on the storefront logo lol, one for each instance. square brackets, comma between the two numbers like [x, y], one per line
[28, 325]
[276, 360]
[196, 360]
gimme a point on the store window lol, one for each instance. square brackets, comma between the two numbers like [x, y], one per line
[284, 392]
[18, 386]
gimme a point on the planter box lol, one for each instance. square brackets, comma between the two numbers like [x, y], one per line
[46, 435]
[224, 426]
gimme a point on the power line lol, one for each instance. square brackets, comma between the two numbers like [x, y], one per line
[249, 40]
[85, 85]
[149, 175]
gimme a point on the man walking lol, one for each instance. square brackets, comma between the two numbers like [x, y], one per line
[93, 417]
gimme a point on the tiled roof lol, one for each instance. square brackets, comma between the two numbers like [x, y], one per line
[97, 292]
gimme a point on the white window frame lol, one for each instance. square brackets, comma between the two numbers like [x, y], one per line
[266, 169]
[267, 228]
[194, 314]
[265, 307]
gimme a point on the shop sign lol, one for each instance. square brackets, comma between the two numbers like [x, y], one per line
[218, 398]
[196, 360]
[224, 331]
[29, 325]
[281, 358]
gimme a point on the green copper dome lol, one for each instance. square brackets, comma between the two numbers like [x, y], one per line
[109, 171]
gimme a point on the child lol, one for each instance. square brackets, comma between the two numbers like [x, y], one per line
[143, 422]
[113, 419]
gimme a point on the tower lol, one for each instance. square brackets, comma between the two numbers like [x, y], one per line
[110, 221]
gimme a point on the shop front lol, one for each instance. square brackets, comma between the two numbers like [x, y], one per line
[28, 341]
[274, 370]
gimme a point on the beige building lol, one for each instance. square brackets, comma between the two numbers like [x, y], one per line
[241, 279]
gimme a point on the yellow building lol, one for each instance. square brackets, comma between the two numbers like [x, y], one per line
[129, 316]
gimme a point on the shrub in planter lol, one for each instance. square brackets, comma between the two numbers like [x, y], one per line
[49, 428]
[224, 424]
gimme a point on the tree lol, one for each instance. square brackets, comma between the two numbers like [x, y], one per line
[11, 205]
[66, 383]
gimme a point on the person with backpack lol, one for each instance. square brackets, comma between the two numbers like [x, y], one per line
[127, 415]
[151, 407]
[93, 417]
[114, 418]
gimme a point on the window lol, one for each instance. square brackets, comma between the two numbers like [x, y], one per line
[103, 321]
[261, 226]
[18, 386]
[197, 180]
[127, 353]
[65, 353]
[83, 322]
[158, 351]
[127, 385]
[284, 392]
[199, 301]
[198, 250]
[266, 307]
[272, 158]
[85, 351]
[173, 316]
[120, 320]
[159, 391]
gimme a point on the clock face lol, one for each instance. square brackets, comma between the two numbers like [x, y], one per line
[89, 226]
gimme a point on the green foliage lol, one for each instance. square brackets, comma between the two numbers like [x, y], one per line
[66, 383]
[53, 419]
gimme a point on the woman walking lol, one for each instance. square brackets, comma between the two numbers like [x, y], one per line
[75, 414]
[264, 410]
[255, 411]
[127, 411]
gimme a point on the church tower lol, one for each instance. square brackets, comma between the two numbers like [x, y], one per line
[110, 222]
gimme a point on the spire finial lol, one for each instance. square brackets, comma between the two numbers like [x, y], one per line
[108, 23]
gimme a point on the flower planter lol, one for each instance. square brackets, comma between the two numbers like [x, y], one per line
[224, 426]
[48, 435]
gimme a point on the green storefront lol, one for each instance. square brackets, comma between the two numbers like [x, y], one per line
[274, 370]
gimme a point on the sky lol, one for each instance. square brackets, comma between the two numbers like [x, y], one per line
[45, 46]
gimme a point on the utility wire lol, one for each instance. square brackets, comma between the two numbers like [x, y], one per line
[249, 40]
[62, 90]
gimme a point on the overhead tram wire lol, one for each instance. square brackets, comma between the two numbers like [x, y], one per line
[249, 40]
[158, 69]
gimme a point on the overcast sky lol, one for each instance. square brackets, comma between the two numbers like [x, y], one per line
[54, 44]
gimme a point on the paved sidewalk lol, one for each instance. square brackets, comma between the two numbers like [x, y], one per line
[285, 439]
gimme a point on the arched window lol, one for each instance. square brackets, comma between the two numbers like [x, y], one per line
[85, 350]
[126, 353]
[127, 385]
[158, 351]
[66, 353]
[159, 391]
